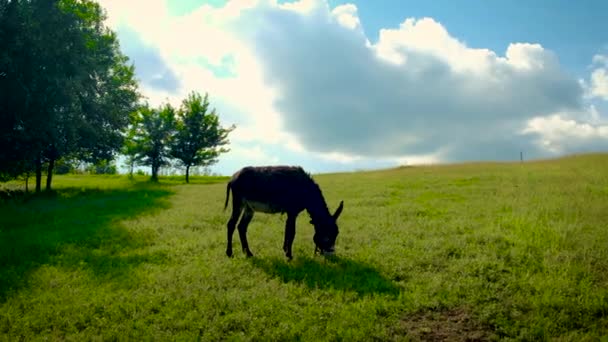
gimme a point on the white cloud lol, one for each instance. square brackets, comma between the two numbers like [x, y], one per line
[302, 7]
[254, 155]
[339, 157]
[183, 43]
[346, 15]
[559, 134]
[427, 37]
[304, 76]
[599, 83]
[600, 59]
[597, 87]
[416, 91]
[149, 18]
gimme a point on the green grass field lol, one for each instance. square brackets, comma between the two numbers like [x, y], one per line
[482, 251]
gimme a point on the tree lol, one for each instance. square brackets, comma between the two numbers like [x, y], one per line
[66, 165]
[130, 148]
[153, 129]
[102, 167]
[66, 89]
[199, 138]
[19, 110]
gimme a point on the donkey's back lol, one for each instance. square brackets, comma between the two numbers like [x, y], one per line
[270, 189]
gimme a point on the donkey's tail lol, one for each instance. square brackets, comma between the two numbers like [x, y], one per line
[227, 195]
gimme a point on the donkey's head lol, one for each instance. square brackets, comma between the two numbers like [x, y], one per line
[326, 231]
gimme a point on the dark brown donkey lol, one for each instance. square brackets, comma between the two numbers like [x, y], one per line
[280, 189]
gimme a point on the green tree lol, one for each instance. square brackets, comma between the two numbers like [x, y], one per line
[103, 167]
[153, 130]
[66, 87]
[130, 148]
[21, 76]
[199, 138]
[66, 165]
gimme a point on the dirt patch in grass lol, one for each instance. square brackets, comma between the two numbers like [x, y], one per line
[447, 325]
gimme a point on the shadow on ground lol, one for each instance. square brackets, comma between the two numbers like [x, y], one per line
[75, 228]
[329, 273]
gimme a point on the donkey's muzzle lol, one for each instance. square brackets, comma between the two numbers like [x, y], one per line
[325, 252]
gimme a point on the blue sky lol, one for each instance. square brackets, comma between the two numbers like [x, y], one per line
[348, 85]
[574, 30]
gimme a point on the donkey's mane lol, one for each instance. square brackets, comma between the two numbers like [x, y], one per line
[318, 208]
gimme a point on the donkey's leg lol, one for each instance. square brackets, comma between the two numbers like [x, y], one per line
[236, 212]
[290, 234]
[247, 216]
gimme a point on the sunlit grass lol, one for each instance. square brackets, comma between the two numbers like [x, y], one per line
[484, 250]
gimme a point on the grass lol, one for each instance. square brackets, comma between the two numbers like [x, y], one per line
[480, 251]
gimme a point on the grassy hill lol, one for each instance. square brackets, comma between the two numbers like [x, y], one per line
[480, 251]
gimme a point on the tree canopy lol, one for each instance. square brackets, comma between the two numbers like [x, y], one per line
[68, 93]
[199, 138]
[191, 135]
[151, 132]
[65, 87]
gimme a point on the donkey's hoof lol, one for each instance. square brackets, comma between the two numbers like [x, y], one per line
[229, 254]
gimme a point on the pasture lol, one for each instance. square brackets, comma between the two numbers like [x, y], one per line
[478, 251]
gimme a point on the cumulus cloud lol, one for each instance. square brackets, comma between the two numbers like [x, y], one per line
[194, 49]
[417, 90]
[252, 155]
[305, 76]
[599, 77]
[599, 83]
[558, 134]
[346, 15]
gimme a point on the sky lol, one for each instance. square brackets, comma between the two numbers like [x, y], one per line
[353, 85]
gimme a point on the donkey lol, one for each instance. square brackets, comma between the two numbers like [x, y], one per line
[280, 189]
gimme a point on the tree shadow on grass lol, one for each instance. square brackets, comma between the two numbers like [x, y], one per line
[75, 228]
[329, 273]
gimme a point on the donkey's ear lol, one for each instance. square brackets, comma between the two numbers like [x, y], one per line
[339, 210]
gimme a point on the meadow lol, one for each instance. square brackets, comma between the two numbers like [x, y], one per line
[476, 251]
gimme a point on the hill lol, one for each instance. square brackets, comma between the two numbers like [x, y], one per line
[480, 251]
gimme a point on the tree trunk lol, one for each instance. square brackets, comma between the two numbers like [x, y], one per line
[38, 173]
[131, 165]
[27, 178]
[49, 174]
[187, 173]
[154, 172]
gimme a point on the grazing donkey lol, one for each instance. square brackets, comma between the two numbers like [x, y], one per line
[280, 189]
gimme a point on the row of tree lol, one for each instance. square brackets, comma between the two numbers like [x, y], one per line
[192, 135]
[67, 91]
